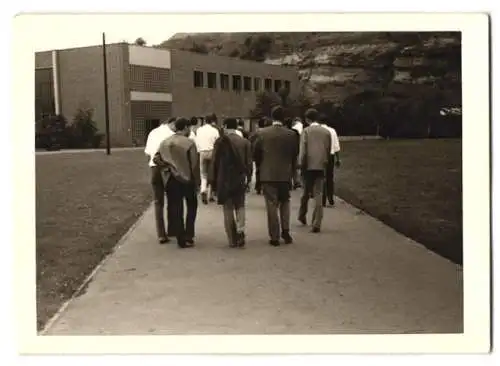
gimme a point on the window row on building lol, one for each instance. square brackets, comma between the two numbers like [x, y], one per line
[222, 81]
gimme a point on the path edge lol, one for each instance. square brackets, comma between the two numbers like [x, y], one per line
[92, 274]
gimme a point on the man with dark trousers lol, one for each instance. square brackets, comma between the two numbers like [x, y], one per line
[178, 156]
[155, 138]
[275, 155]
[314, 154]
[232, 168]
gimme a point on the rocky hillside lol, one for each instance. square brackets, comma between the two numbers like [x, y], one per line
[336, 65]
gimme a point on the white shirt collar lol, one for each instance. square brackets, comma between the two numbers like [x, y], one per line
[277, 123]
[314, 123]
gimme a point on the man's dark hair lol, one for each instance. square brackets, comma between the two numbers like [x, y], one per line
[181, 124]
[323, 118]
[193, 121]
[312, 114]
[211, 118]
[288, 122]
[231, 123]
[278, 113]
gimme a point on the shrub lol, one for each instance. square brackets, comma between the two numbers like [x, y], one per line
[83, 131]
[50, 132]
[294, 106]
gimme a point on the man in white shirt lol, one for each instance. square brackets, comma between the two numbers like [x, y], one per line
[329, 187]
[193, 128]
[154, 140]
[205, 139]
[298, 126]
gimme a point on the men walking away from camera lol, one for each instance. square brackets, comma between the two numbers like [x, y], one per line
[231, 173]
[314, 152]
[178, 154]
[333, 161]
[155, 138]
[275, 154]
[205, 139]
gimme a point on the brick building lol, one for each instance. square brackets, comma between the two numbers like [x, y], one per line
[147, 85]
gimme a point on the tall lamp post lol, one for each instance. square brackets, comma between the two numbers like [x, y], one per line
[106, 99]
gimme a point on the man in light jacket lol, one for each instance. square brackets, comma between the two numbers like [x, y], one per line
[180, 164]
[314, 153]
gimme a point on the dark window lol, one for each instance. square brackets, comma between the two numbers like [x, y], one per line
[256, 84]
[287, 84]
[212, 80]
[277, 85]
[224, 81]
[236, 82]
[268, 84]
[247, 83]
[198, 79]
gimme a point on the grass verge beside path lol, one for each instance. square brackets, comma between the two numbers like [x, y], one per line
[85, 202]
[414, 186]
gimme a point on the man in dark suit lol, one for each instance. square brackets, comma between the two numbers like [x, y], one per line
[231, 173]
[314, 154]
[275, 155]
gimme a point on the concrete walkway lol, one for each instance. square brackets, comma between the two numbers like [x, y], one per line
[356, 276]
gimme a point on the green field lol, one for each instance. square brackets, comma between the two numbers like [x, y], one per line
[414, 186]
[84, 203]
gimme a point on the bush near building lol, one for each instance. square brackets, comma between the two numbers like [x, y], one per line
[54, 132]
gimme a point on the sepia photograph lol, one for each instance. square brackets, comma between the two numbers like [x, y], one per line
[249, 183]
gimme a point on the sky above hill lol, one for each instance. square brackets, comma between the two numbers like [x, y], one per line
[67, 31]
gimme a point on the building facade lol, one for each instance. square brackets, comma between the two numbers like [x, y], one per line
[147, 85]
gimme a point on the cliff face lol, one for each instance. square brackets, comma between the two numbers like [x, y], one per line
[334, 66]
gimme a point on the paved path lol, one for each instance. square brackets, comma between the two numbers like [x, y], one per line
[356, 276]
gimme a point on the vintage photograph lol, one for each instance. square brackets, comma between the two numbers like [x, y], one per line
[267, 183]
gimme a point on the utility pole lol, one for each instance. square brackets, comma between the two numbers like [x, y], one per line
[106, 101]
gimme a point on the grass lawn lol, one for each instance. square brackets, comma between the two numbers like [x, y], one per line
[414, 186]
[84, 203]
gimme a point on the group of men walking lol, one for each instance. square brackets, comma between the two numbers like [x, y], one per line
[218, 164]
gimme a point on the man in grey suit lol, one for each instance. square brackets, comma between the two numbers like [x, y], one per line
[314, 153]
[275, 156]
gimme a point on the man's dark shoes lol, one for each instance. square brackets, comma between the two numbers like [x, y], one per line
[240, 239]
[315, 230]
[184, 243]
[163, 240]
[287, 237]
[274, 243]
[302, 220]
